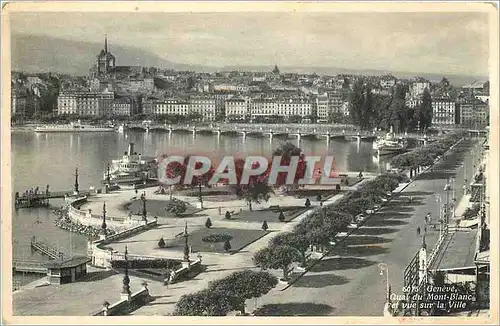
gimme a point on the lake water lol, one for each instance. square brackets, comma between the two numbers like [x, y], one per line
[51, 159]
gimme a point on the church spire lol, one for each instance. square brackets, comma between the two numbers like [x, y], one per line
[106, 43]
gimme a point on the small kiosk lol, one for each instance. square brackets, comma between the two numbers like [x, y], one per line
[66, 271]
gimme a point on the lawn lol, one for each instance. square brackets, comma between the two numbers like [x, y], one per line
[268, 214]
[156, 207]
[240, 239]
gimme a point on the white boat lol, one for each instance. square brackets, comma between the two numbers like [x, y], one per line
[390, 145]
[74, 127]
[132, 168]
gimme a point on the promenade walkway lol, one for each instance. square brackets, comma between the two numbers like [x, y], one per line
[65, 299]
[348, 283]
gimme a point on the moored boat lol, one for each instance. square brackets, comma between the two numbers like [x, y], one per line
[131, 169]
[74, 127]
[390, 145]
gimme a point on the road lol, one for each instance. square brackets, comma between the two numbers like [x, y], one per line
[348, 281]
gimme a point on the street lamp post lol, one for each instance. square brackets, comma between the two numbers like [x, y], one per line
[440, 211]
[144, 212]
[384, 268]
[447, 212]
[199, 194]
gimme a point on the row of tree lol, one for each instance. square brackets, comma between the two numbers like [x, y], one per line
[227, 294]
[425, 156]
[368, 110]
[320, 228]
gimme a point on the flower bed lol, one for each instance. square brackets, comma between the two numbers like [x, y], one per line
[218, 237]
[146, 264]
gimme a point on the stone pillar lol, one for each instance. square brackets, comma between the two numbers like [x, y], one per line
[271, 135]
[105, 307]
[194, 132]
[244, 134]
[219, 132]
[170, 130]
[299, 136]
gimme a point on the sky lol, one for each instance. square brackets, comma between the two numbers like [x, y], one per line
[451, 43]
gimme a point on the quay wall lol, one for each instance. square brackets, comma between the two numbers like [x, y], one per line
[125, 305]
[101, 257]
[85, 217]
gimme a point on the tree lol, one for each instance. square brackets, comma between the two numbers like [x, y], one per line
[205, 303]
[161, 243]
[356, 101]
[276, 258]
[190, 83]
[176, 206]
[425, 110]
[358, 206]
[367, 111]
[295, 119]
[281, 216]
[245, 285]
[265, 226]
[308, 202]
[208, 223]
[296, 239]
[287, 151]
[257, 192]
[227, 245]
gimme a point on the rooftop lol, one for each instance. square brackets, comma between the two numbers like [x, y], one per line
[460, 250]
[73, 262]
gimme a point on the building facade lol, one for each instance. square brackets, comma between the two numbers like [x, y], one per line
[418, 87]
[236, 107]
[105, 61]
[443, 111]
[18, 104]
[204, 106]
[295, 107]
[171, 107]
[85, 103]
[262, 108]
[124, 106]
[334, 102]
[322, 108]
[474, 113]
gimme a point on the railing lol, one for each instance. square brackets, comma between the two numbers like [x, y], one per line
[73, 211]
[50, 194]
[29, 266]
[45, 249]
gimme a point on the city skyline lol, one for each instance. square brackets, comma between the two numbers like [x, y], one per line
[446, 43]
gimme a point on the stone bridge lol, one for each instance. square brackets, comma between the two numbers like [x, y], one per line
[327, 132]
[306, 132]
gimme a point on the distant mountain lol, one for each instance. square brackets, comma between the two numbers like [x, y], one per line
[32, 53]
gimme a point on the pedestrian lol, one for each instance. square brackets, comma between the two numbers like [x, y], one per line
[425, 229]
[418, 230]
[220, 210]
